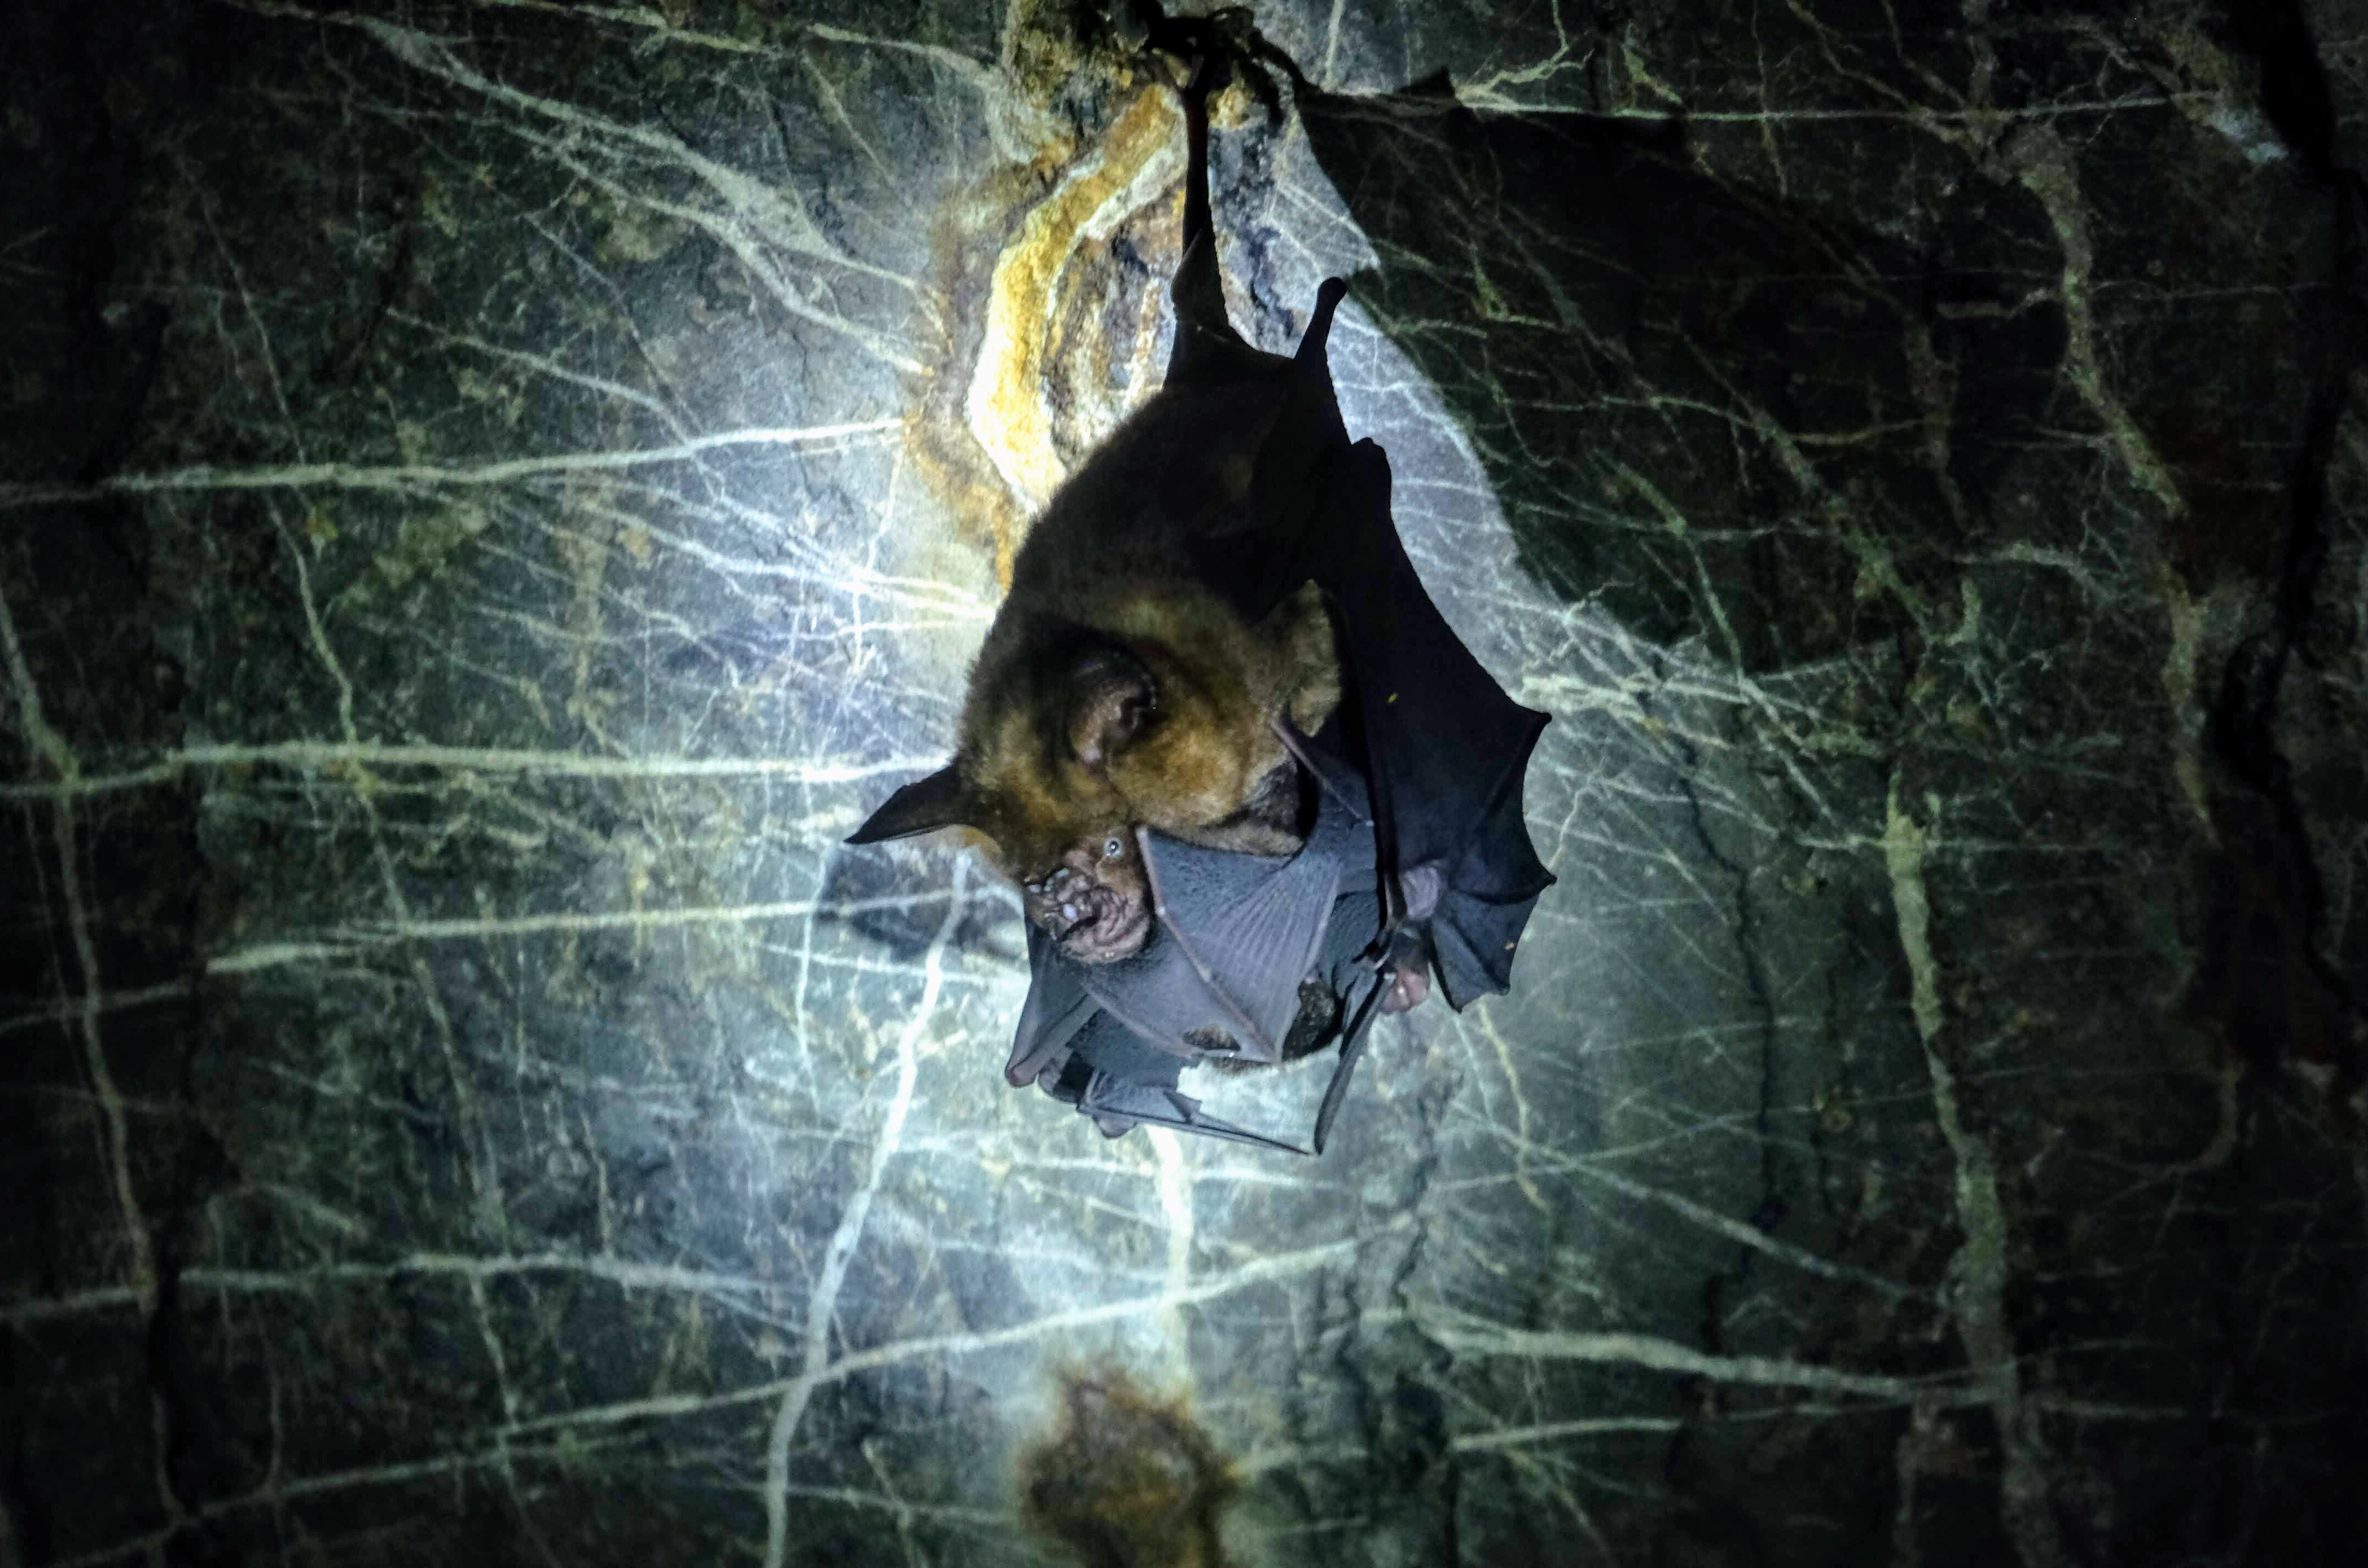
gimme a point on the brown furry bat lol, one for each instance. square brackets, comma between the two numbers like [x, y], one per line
[1116, 690]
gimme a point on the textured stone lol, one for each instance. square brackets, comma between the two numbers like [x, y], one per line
[495, 491]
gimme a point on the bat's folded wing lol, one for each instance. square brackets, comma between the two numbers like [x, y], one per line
[1248, 927]
[1488, 898]
[1058, 1005]
[1440, 746]
[1445, 749]
[1156, 994]
[1112, 1073]
[1236, 934]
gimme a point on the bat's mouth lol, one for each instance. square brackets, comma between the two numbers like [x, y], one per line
[1092, 921]
[1111, 931]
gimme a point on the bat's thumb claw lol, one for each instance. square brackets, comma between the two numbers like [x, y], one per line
[1409, 989]
[1420, 888]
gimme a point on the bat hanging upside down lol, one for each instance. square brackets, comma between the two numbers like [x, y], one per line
[1253, 788]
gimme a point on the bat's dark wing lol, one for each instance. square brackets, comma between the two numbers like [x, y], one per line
[1440, 749]
[1445, 750]
[1236, 934]
[1116, 1076]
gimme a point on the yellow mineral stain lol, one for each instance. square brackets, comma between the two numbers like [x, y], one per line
[1006, 408]
[1128, 1477]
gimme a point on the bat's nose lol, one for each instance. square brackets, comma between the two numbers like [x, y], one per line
[1064, 902]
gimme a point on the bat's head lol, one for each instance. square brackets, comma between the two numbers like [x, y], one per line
[1162, 718]
[1087, 890]
[1165, 718]
[1097, 902]
[1046, 818]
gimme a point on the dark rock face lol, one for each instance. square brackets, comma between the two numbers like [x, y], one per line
[494, 492]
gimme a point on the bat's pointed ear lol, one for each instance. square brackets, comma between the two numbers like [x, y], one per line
[922, 806]
[1111, 698]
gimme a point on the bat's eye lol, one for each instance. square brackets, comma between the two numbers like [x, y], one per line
[1111, 847]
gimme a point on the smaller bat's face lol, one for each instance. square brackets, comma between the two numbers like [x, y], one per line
[1095, 902]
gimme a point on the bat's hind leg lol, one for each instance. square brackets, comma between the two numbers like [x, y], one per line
[1409, 989]
[1211, 49]
[1198, 290]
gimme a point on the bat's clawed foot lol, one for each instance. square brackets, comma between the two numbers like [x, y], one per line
[1403, 966]
[1409, 987]
[1419, 886]
[1213, 49]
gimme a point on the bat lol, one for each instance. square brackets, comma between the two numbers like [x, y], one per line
[1419, 859]
[1405, 854]
[1117, 687]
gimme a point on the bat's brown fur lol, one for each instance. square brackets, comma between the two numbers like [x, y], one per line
[1110, 567]
[1117, 688]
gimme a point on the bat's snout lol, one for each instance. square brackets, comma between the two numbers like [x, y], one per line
[1066, 906]
[1094, 922]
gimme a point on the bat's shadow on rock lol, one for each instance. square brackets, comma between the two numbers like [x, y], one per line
[1684, 391]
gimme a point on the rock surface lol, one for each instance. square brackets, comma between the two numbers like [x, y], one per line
[495, 489]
